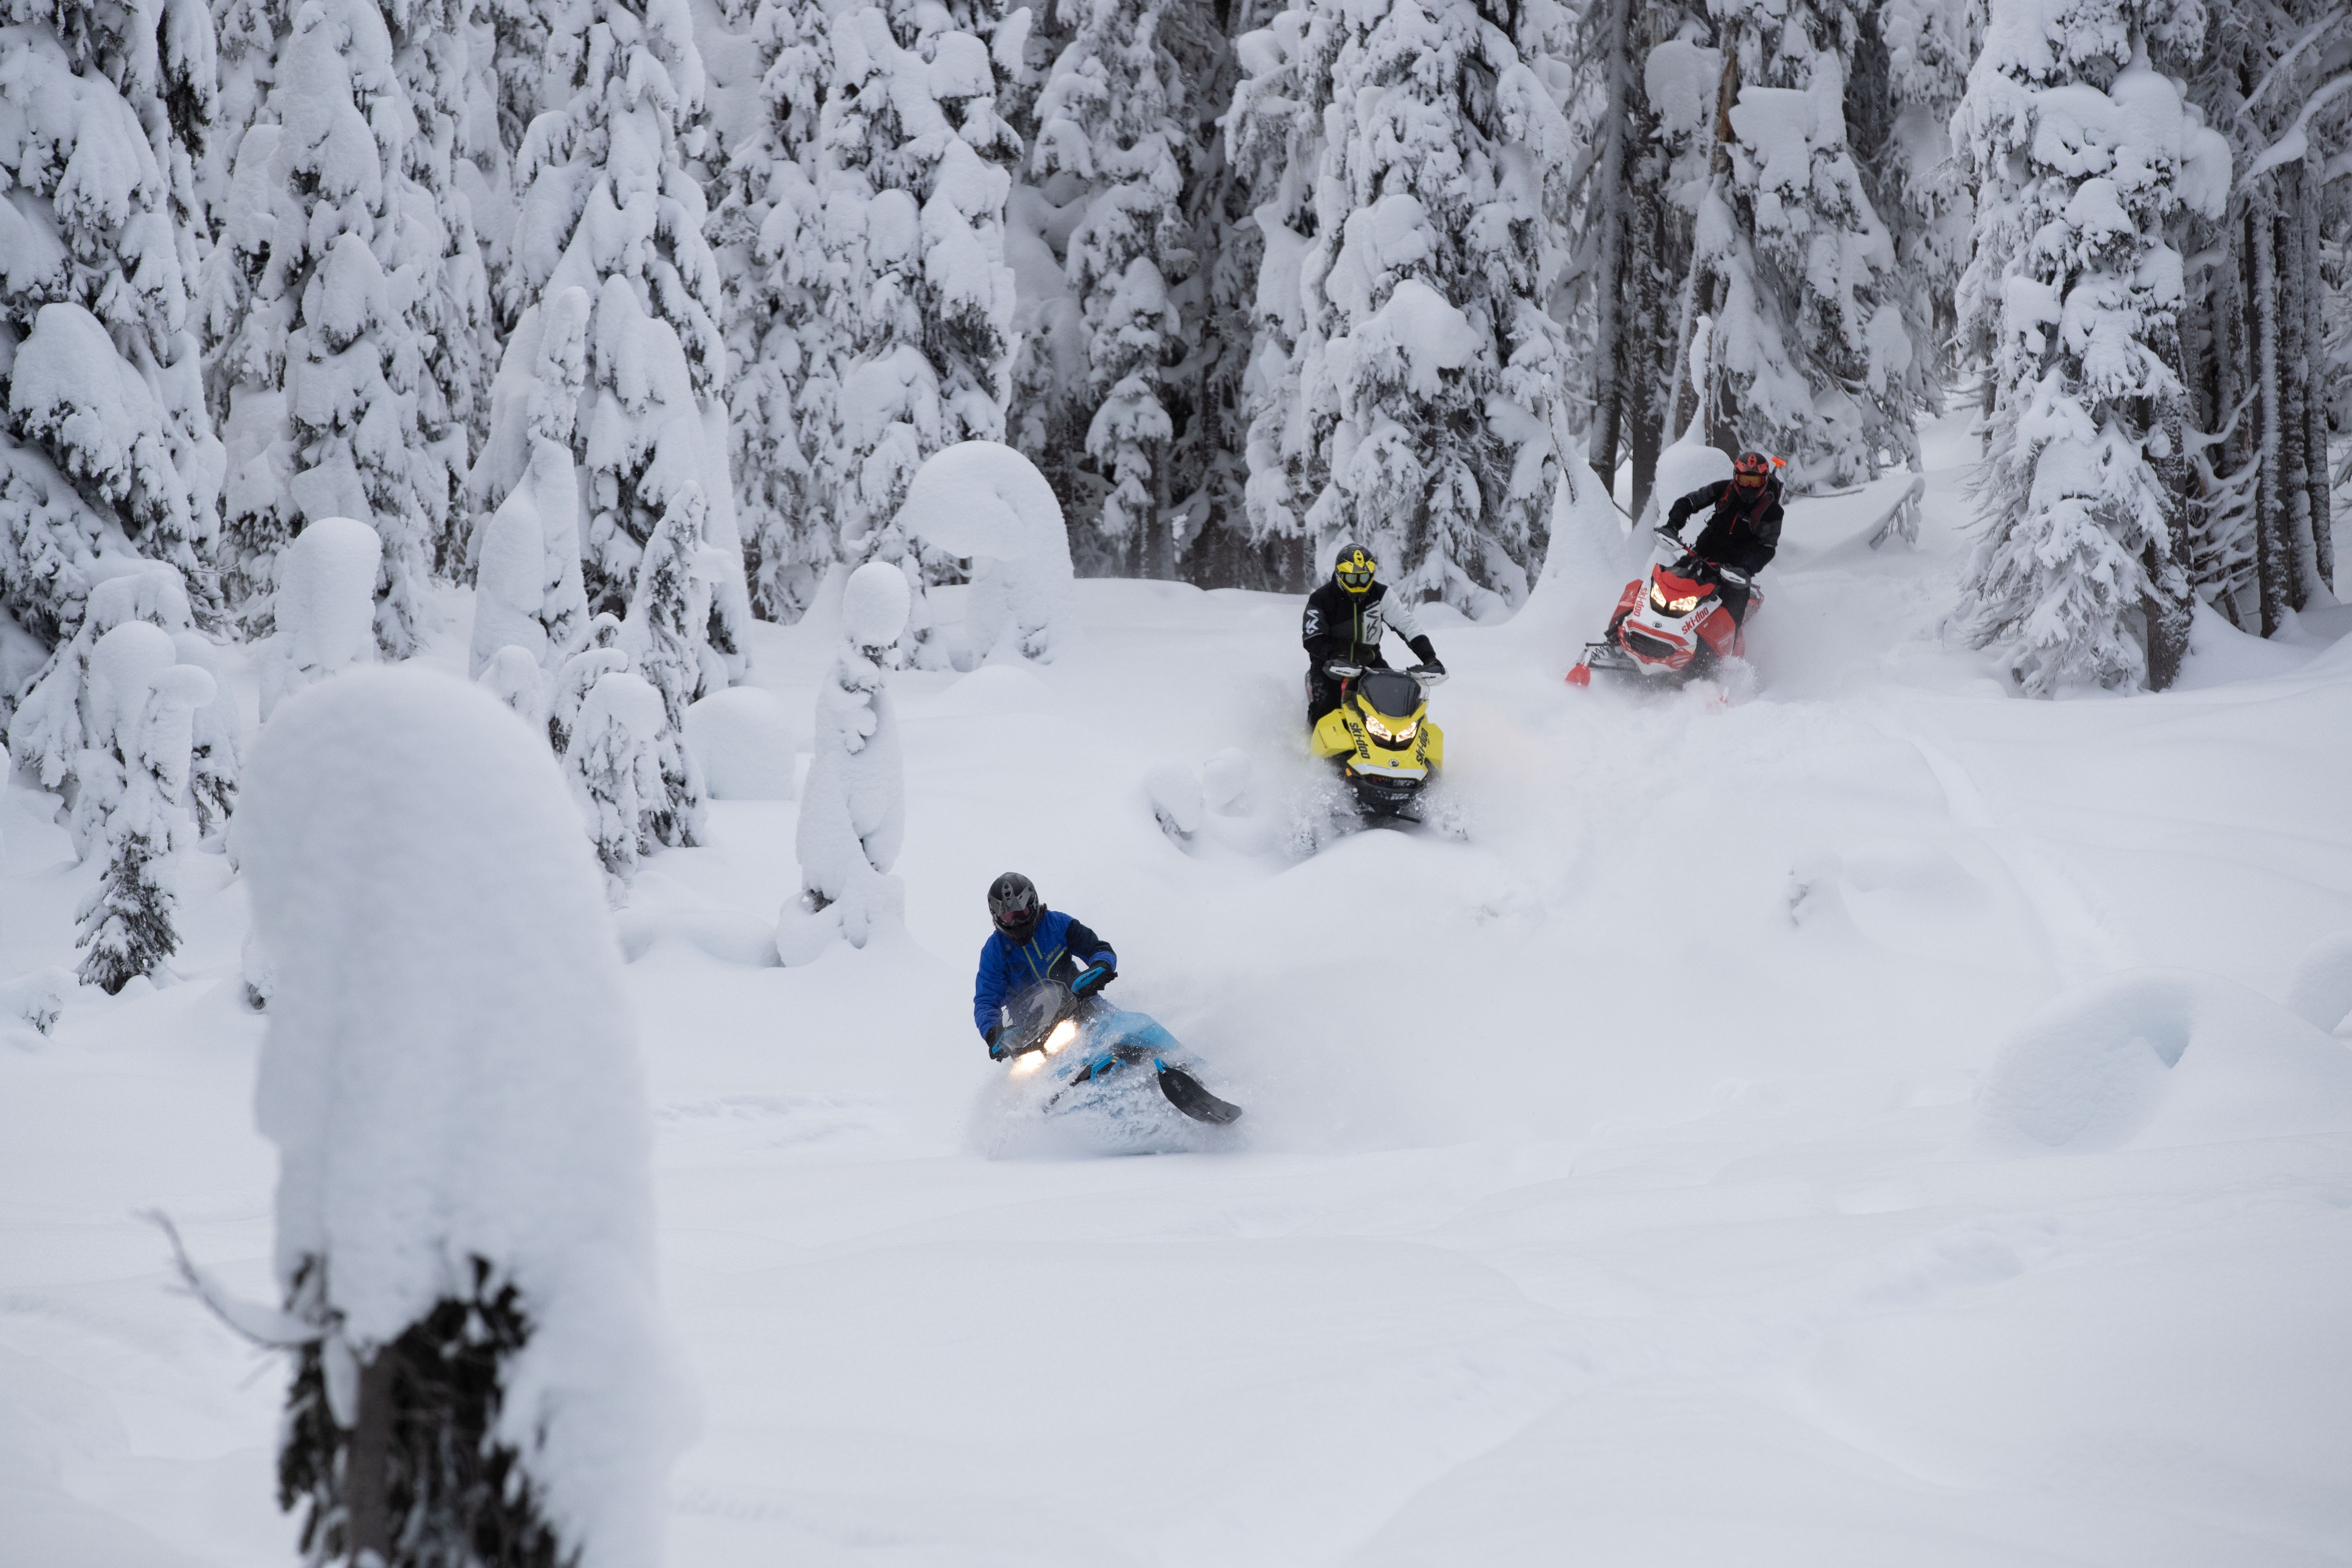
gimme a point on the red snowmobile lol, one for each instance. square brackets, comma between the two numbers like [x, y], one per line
[1676, 632]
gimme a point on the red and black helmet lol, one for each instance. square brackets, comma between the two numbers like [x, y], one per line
[1750, 472]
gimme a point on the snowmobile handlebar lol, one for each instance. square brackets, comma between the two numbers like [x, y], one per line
[1340, 670]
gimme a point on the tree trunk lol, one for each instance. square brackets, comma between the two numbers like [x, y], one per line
[368, 1478]
[2321, 542]
[2169, 603]
[1609, 290]
[2274, 562]
[2294, 377]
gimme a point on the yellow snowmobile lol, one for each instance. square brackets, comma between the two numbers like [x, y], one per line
[1382, 737]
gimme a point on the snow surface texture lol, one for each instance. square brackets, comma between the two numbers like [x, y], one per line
[325, 607]
[985, 501]
[744, 742]
[451, 1070]
[1650, 1211]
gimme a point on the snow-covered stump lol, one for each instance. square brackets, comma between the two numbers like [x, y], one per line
[985, 501]
[139, 708]
[853, 809]
[464, 1211]
[325, 608]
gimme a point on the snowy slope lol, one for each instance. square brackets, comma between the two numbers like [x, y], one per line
[1664, 1175]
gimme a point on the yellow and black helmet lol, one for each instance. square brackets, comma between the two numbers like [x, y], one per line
[1354, 568]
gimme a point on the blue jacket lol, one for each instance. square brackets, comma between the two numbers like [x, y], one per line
[1057, 950]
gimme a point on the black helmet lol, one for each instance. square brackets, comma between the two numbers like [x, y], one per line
[1013, 905]
[1353, 567]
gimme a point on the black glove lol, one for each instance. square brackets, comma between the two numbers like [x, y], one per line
[1092, 980]
[996, 1053]
[1424, 650]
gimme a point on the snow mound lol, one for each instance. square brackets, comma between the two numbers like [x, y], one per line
[2161, 1058]
[723, 934]
[983, 500]
[2321, 992]
[744, 742]
[451, 1069]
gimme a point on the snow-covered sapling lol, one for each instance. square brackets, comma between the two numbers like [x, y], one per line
[853, 809]
[139, 708]
[325, 607]
[985, 501]
[464, 1212]
[528, 588]
[667, 634]
[614, 761]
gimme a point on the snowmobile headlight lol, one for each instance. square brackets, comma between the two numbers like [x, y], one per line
[1027, 1062]
[1372, 722]
[1683, 606]
[1064, 1033]
[1407, 732]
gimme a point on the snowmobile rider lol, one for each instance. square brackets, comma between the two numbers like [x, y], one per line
[1346, 619]
[1744, 533]
[1030, 944]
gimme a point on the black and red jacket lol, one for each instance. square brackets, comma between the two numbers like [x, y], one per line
[1742, 534]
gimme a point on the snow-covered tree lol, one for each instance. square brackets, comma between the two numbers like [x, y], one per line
[608, 204]
[1112, 114]
[768, 235]
[1813, 358]
[58, 733]
[326, 608]
[528, 590]
[578, 675]
[1425, 363]
[986, 503]
[2082, 155]
[139, 705]
[104, 448]
[668, 638]
[854, 808]
[614, 762]
[346, 315]
[912, 175]
[464, 1245]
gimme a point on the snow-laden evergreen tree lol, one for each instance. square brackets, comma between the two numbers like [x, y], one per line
[1813, 360]
[463, 1216]
[853, 812]
[1112, 114]
[1426, 363]
[1632, 238]
[1906, 73]
[667, 636]
[609, 204]
[2082, 155]
[327, 614]
[105, 450]
[139, 707]
[577, 676]
[55, 733]
[913, 174]
[614, 759]
[528, 590]
[345, 315]
[769, 237]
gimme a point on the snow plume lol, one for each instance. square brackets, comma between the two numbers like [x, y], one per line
[1426, 363]
[853, 806]
[986, 502]
[914, 184]
[2083, 154]
[528, 593]
[138, 710]
[1112, 115]
[105, 449]
[335, 307]
[326, 610]
[609, 206]
[451, 1078]
[60, 730]
[769, 231]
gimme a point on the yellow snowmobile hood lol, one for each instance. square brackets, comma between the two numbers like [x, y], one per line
[1414, 747]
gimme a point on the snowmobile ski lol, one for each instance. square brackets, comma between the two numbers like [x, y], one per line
[1185, 1093]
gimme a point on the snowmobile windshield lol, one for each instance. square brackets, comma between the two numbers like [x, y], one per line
[1032, 1013]
[1391, 693]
